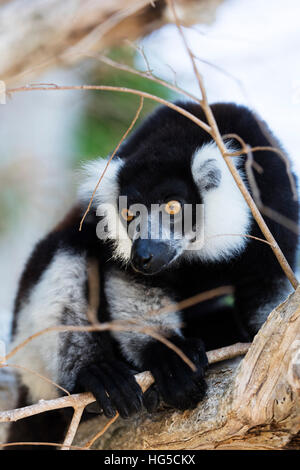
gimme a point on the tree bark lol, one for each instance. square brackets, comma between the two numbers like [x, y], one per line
[39, 34]
[250, 404]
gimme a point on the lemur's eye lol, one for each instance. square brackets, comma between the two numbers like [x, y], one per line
[172, 207]
[127, 214]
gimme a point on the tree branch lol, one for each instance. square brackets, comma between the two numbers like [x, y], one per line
[32, 42]
[79, 401]
[250, 404]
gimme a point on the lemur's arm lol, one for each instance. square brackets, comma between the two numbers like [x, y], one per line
[134, 299]
[53, 291]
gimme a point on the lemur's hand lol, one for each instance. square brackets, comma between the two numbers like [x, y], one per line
[179, 386]
[114, 387]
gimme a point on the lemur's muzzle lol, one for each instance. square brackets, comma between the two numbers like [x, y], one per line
[150, 257]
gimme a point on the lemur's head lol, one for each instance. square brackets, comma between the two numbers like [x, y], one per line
[168, 196]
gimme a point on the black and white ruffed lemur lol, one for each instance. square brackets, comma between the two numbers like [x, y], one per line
[172, 163]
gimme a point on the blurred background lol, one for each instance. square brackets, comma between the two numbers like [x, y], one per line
[249, 54]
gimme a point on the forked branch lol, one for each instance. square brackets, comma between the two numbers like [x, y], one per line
[79, 401]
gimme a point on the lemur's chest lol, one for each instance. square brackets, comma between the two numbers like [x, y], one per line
[128, 300]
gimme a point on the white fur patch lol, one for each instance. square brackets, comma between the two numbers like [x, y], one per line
[105, 200]
[129, 300]
[226, 213]
[61, 285]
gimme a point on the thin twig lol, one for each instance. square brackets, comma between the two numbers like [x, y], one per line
[251, 178]
[149, 76]
[241, 235]
[73, 427]
[186, 303]
[100, 433]
[268, 211]
[111, 157]
[125, 326]
[108, 326]
[116, 89]
[245, 148]
[43, 377]
[190, 53]
[141, 51]
[280, 218]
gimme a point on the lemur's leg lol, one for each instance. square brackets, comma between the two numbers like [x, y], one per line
[59, 297]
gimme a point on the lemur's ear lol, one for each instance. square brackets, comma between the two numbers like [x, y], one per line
[206, 168]
[208, 175]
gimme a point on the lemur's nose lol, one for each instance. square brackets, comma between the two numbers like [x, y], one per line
[141, 255]
[150, 256]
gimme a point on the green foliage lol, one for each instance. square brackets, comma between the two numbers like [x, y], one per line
[108, 114]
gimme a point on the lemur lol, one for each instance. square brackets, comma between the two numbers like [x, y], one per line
[163, 173]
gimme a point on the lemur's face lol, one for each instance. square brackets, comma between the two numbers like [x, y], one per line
[160, 209]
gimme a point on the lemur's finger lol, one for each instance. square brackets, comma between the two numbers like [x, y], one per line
[91, 383]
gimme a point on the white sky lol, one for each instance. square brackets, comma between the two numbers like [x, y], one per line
[256, 41]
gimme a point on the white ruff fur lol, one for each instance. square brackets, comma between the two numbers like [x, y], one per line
[106, 198]
[226, 213]
[61, 285]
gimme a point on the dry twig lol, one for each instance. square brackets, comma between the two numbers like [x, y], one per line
[107, 326]
[79, 401]
[112, 156]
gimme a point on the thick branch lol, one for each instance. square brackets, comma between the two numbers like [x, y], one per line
[81, 400]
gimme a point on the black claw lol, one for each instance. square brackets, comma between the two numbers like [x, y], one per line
[109, 412]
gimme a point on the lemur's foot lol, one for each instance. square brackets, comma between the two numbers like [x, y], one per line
[114, 387]
[179, 386]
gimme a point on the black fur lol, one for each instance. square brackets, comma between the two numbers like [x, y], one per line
[158, 167]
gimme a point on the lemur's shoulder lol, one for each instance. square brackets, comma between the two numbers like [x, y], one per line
[65, 236]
